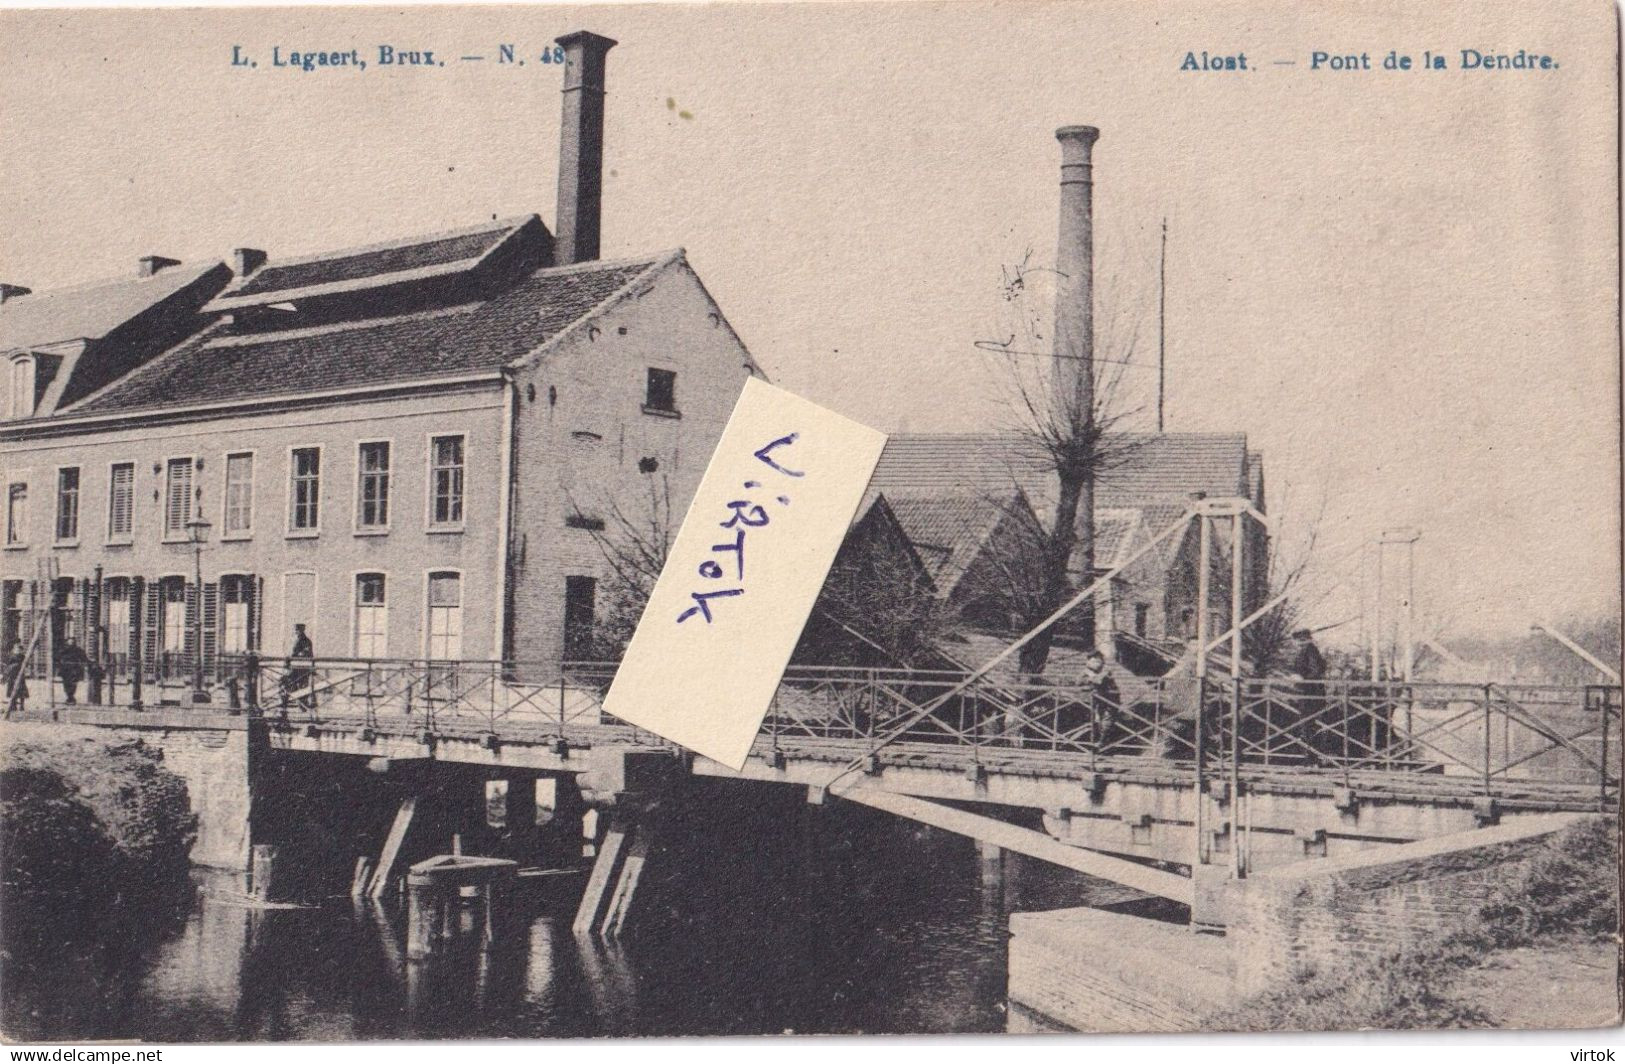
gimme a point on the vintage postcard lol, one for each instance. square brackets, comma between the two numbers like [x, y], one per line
[809, 518]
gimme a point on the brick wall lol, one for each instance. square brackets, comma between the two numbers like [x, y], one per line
[1322, 915]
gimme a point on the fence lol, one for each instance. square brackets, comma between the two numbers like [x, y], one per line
[1478, 738]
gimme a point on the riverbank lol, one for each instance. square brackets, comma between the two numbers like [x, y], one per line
[1542, 952]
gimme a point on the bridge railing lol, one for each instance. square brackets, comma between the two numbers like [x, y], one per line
[1500, 737]
[1487, 738]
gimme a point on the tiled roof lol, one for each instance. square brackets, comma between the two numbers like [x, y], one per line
[376, 265]
[89, 311]
[1114, 530]
[1166, 467]
[947, 531]
[331, 269]
[217, 366]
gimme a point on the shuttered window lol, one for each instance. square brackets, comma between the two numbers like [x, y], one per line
[116, 593]
[237, 594]
[172, 606]
[177, 497]
[120, 500]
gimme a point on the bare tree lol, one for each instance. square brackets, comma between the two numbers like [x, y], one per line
[1292, 572]
[1069, 420]
[634, 546]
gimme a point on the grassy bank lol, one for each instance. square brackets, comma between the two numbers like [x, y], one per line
[1567, 894]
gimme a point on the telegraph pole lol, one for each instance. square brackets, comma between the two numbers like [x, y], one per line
[1162, 325]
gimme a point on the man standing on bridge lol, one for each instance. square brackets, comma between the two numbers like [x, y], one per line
[70, 667]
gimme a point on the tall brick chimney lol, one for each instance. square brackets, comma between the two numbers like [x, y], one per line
[1075, 268]
[581, 148]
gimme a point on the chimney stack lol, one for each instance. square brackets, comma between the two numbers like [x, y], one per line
[245, 261]
[581, 148]
[8, 292]
[148, 265]
[1075, 269]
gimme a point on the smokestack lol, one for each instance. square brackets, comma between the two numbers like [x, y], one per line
[147, 265]
[581, 148]
[1075, 268]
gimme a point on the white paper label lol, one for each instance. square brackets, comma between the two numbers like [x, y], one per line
[744, 572]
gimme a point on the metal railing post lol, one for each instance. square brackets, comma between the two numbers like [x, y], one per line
[1200, 744]
[1487, 738]
[1235, 778]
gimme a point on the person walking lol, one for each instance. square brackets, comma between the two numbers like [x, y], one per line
[71, 663]
[16, 682]
[302, 668]
[1105, 699]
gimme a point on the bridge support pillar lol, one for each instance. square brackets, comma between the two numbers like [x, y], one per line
[613, 885]
[1214, 898]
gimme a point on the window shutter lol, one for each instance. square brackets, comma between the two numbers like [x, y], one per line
[149, 626]
[211, 623]
[256, 613]
[26, 627]
[82, 618]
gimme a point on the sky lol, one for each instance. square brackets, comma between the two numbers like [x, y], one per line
[1400, 285]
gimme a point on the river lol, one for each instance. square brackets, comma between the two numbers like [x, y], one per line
[884, 927]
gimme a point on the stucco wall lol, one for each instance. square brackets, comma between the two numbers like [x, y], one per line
[581, 431]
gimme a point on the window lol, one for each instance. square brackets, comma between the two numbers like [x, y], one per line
[661, 394]
[16, 514]
[445, 616]
[371, 616]
[177, 497]
[237, 594]
[172, 619]
[372, 504]
[579, 595]
[120, 500]
[446, 480]
[116, 592]
[22, 388]
[67, 504]
[306, 495]
[239, 516]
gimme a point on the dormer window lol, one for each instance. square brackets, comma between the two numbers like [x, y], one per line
[21, 390]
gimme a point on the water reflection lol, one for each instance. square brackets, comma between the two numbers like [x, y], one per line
[747, 943]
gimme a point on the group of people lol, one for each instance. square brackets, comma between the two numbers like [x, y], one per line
[73, 666]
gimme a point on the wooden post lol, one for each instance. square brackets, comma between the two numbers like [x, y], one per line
[594, 899]
[262, 871]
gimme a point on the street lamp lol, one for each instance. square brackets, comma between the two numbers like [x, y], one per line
[197, 532]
